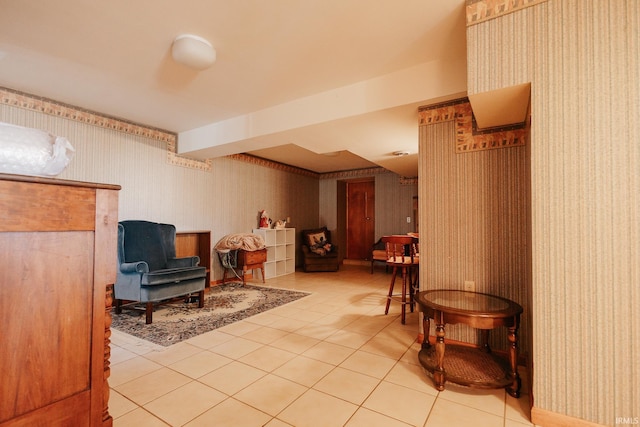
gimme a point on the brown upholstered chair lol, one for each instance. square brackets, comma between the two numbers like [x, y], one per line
[378, 254]
[318, 251]
[401, 251]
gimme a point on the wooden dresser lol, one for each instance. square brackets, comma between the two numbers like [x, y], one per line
[57, 268]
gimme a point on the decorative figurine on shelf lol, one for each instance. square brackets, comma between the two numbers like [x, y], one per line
[265, 222]
[280, 224]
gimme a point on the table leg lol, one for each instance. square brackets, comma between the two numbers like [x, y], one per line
[438, 373]
[411, 287]
[404, 296]
[514, 388]
[485, 340]
[262, 270]
[426, 324]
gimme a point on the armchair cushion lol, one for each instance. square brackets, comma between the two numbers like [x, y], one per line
[378, 252]
[312, 237]
[170, 275]
[318, 241]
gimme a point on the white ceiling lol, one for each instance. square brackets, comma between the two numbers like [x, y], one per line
[326, 85]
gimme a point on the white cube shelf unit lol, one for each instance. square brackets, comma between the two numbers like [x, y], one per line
[281, 250]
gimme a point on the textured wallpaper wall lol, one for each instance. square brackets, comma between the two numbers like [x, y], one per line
[583, 60]
[474, 225]
[225, 199]
[223, 195]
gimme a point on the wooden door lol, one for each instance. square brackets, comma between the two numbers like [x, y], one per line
[360, 219]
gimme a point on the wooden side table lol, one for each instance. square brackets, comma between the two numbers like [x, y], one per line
[249, 260]
[474, 367]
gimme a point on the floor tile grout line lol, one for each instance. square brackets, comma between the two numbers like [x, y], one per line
[370, 334]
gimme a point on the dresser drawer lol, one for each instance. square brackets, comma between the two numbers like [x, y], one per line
[252, 257]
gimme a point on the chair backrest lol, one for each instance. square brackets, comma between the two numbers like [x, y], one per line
[379, 245]
[146, 241]
[311, 237]
[400, 249]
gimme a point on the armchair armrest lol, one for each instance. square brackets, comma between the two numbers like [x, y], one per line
[190, 261]
[134, 267]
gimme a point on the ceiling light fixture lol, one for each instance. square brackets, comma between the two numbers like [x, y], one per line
[193, 51]
[400, 153]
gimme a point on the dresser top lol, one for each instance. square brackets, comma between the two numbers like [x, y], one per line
[55, 181]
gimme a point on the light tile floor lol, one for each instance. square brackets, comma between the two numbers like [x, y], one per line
[330, 359]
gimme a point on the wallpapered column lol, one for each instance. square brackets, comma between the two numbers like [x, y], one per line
[583, 60]
[474, 215]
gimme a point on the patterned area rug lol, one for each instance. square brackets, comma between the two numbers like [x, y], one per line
[181, 320]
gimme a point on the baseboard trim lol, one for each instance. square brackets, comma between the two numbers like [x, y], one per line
[355, 262]
[544, 418]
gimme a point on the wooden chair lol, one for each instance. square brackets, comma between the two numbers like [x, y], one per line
[401, 251]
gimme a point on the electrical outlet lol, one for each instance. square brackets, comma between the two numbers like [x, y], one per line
[408, 220]
[469, 285]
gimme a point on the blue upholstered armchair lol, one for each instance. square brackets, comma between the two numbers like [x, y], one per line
[148, 270]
